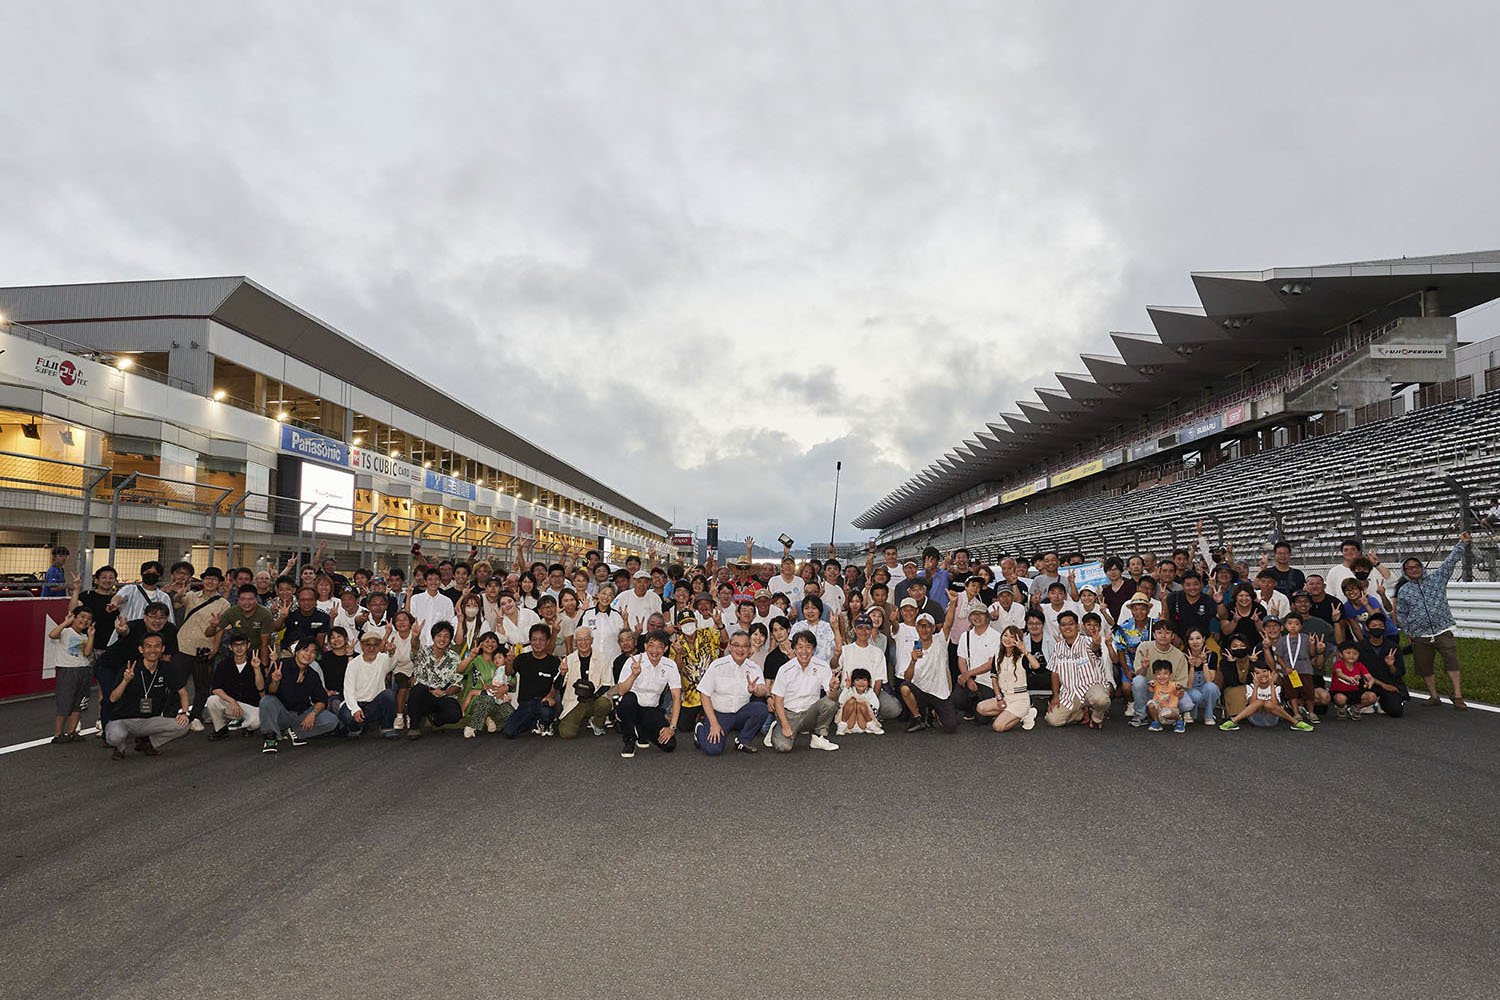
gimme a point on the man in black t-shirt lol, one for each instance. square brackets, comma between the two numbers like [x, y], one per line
[627, 650]
[1191, 608]
[306, 621]
[149, 704]
[1289, 579]
[1320, 603]
[537, 686]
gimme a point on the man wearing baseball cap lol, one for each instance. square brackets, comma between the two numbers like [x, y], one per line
[928, 688]
[765, 611]
[638, 603]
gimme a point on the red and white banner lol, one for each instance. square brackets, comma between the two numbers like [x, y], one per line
[25, 622]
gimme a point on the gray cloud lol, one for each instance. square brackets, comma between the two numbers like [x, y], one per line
[707, 250]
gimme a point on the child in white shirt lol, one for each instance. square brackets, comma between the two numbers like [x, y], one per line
[858, 706]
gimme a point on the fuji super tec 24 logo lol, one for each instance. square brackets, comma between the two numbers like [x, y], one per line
[64, 370]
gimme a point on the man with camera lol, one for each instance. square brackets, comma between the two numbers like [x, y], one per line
[586, 679]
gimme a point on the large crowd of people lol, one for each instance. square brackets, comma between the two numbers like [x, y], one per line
[747, 656]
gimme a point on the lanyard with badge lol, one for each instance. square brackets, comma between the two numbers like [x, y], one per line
[1293, 655]
[148, 707]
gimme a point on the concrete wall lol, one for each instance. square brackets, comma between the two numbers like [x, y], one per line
[1477, 358]
[1365, 379]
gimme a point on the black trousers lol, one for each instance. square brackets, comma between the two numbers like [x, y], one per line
[203, 681]
[946, 712]
[643, 723]
[422, 704]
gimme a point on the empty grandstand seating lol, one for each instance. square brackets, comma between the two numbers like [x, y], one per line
[1392, 469]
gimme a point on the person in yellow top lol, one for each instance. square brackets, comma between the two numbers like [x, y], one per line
[1165, 692]
[694, 649]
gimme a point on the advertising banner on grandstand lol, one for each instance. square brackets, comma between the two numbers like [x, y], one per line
[1078, 472]
[314, 446]
[1201, 429]
[1235, 415]
[452, 487]
[1141, 449]
[1086, 575]
[1114, 458]
[982, 505]
[377, 464]
[1411, 352]
[57, 371]
[1021, 492]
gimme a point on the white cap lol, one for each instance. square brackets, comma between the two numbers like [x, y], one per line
[924, 616]
[641, 574]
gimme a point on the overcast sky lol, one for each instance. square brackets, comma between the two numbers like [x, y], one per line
[705, 250]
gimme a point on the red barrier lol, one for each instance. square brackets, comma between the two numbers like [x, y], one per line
[24, 628]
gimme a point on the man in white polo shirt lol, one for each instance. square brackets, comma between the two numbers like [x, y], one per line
[861, 654]
[643, 720]
[804, 698]
[1007, 610]
[639, 603]
[977, 649]
[727, 689]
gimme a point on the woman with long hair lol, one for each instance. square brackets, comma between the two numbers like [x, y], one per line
[1011, 705]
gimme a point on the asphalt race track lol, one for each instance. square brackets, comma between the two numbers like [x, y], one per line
[1357, 861]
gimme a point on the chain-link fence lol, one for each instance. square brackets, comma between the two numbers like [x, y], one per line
[47, 502]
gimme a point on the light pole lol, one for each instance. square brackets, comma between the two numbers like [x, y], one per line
[838, 467]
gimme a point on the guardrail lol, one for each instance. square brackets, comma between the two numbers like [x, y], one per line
[1476, 609]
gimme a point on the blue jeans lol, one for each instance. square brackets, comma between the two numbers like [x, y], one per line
[746, 722]
[526, 715]
[276, 718]
[1140, 690]
[381, 710]
[1203, 698]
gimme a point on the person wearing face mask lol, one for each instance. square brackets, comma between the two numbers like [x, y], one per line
[132, 599]
[693, 649]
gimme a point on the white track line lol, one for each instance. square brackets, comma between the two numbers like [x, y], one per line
[41, 742]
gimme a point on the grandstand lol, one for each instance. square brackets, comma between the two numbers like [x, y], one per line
[1306, 403]
[1391, 471]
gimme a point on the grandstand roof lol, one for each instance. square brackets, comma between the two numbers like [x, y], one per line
[245, 306]
[1245, 317]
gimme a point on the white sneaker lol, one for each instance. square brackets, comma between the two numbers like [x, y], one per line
[822, 743]
[469, 733]
[196, 726]
[767, 740]
[875, 729]
[1028, 721]
[490, 727]
[842, 728]
[400, 722]
[595, 728]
